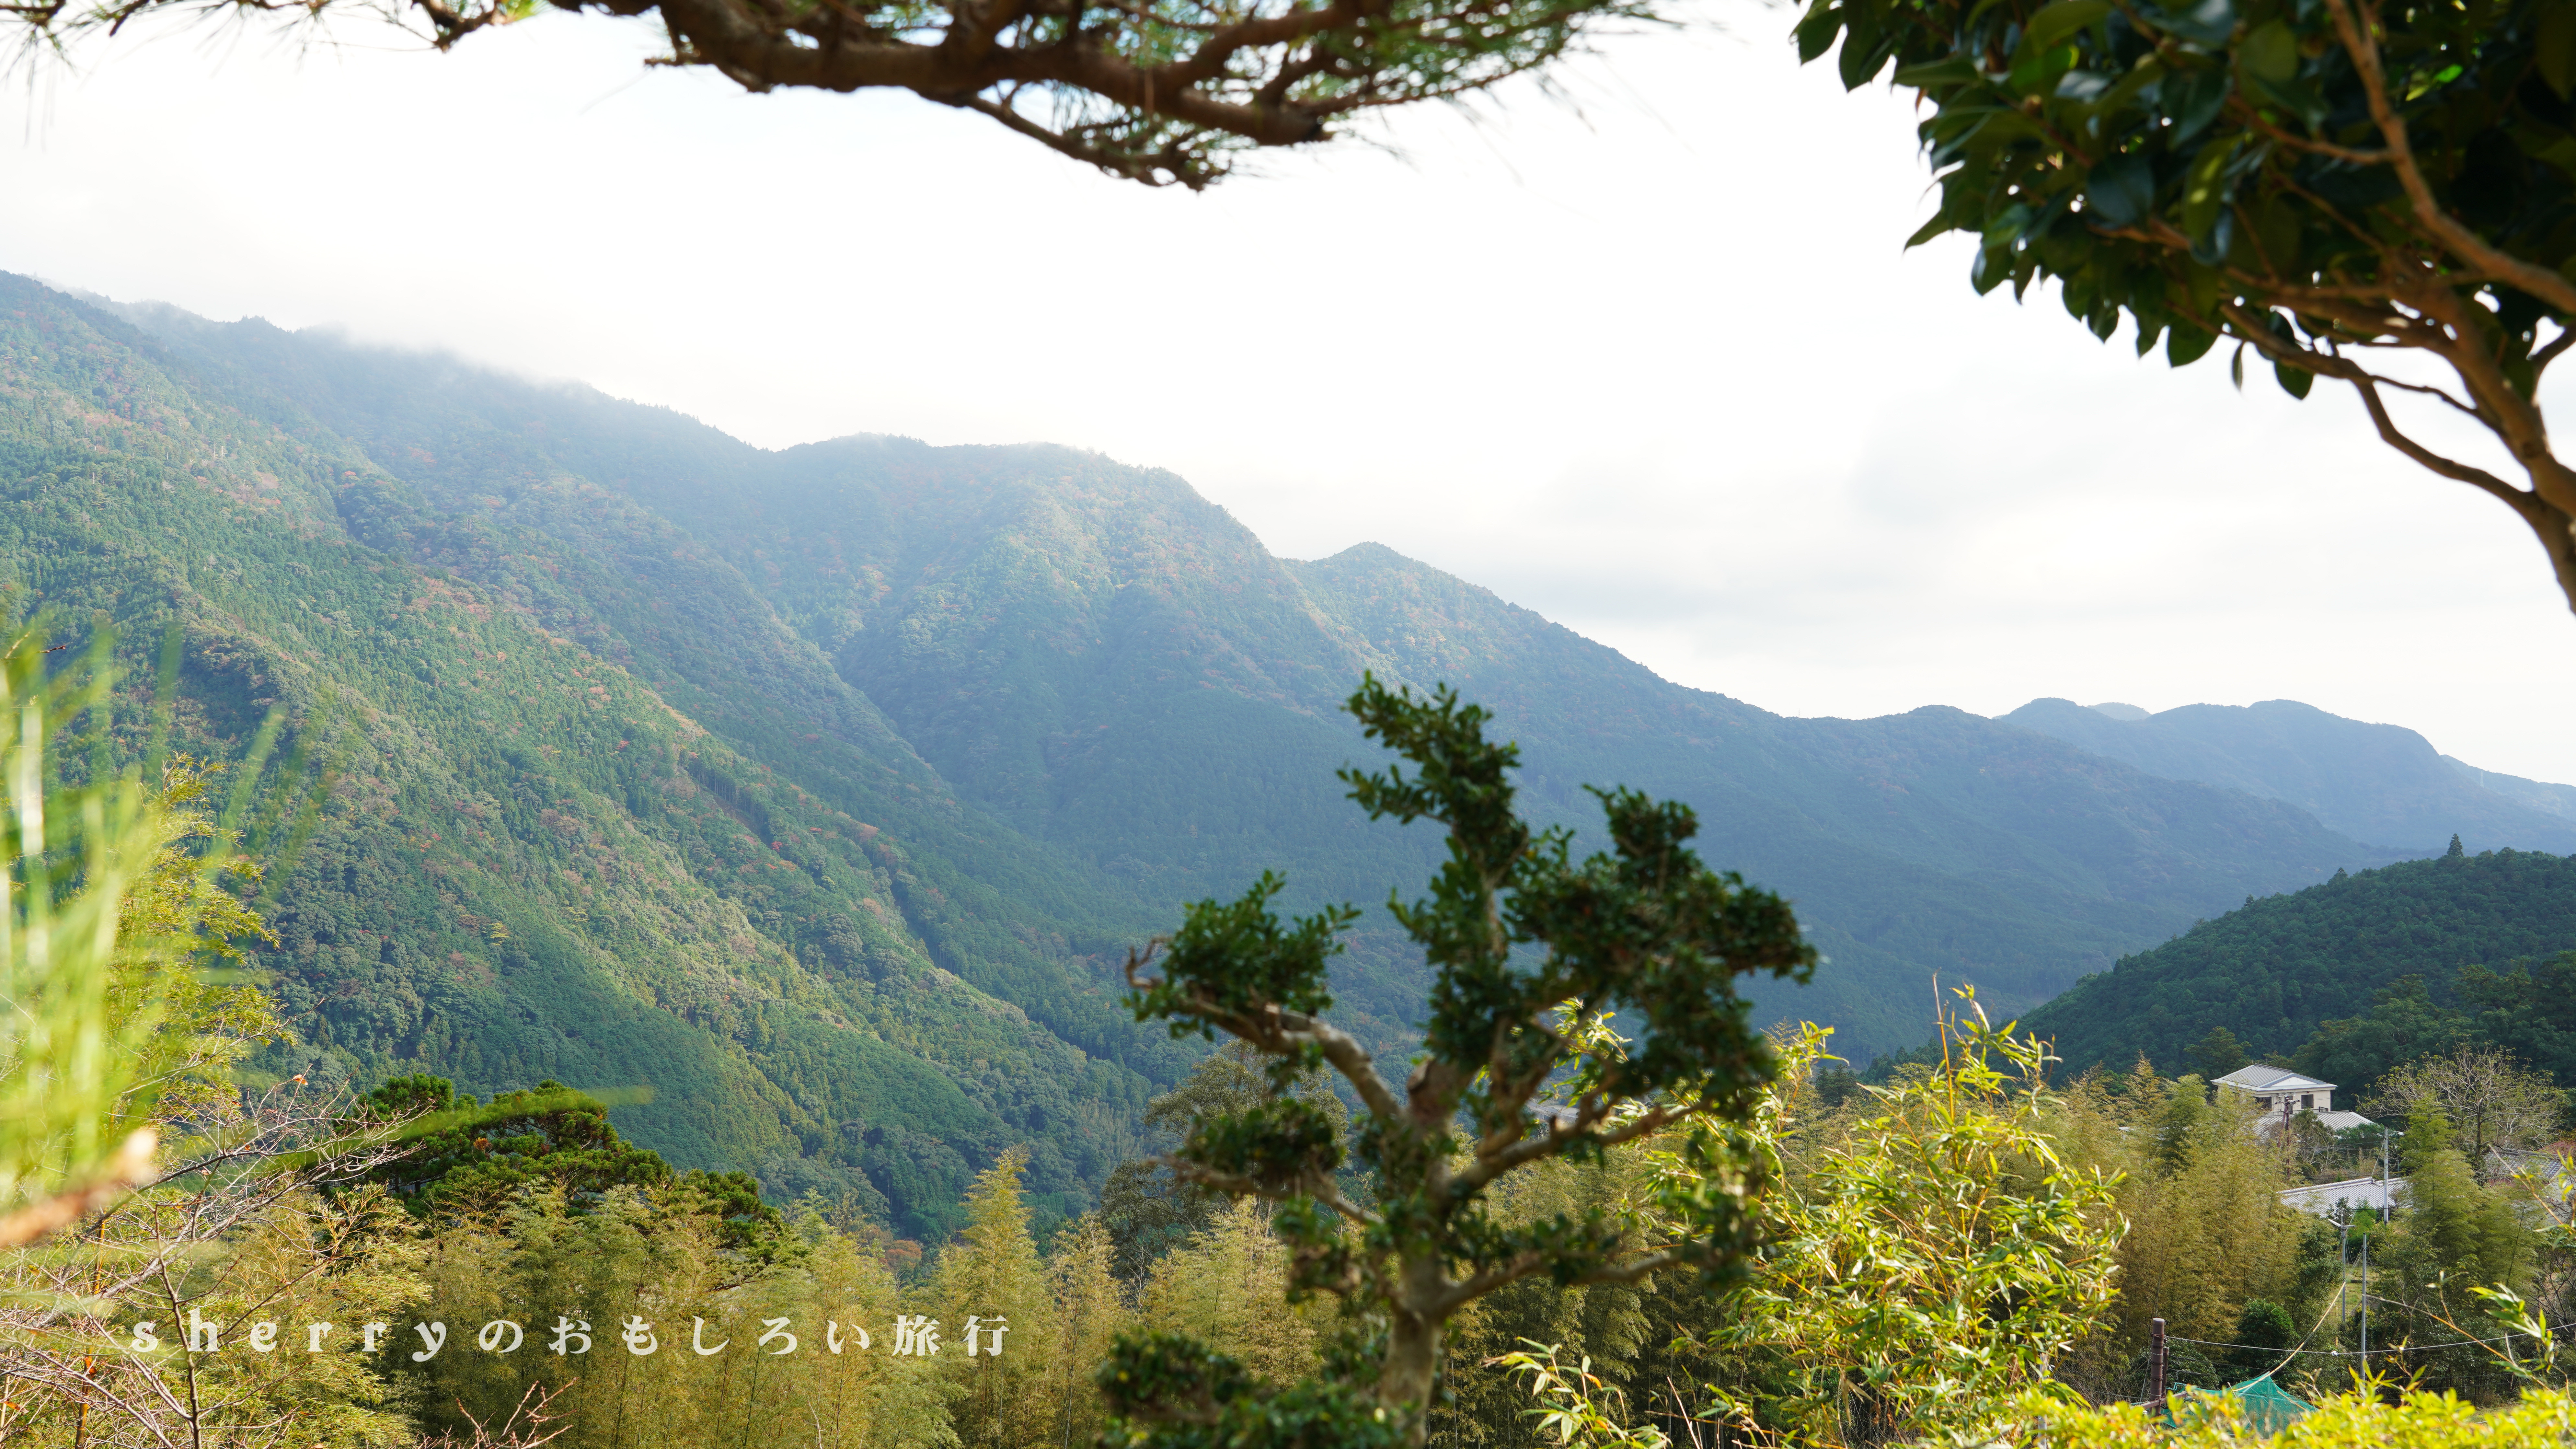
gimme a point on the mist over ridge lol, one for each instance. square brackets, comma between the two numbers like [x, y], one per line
[822, 787]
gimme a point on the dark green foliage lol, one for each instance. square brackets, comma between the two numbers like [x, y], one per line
[1183, 1395]
[2196, 140]
[478, 1158]
[2319, 1273]
[1241, 958]
[2264, 1332]
[2216, 1054]
[2275, 971]
[2529, 1010]
[1149, 1211]
[2186, 1366]
[744, 1223]
[2180, 1124]
[1531, 952]
[2403, 1023]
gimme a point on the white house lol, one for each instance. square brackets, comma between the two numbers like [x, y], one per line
[2281, 1095]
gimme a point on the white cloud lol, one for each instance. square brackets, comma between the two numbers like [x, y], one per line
[1658, 369]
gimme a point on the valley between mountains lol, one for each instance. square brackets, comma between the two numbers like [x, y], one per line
[822, 791]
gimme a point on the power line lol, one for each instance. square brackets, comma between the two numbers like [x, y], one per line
[2349, 1352]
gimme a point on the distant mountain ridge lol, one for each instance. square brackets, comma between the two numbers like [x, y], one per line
[2381, 783]
[824, 788]
[1112, 664]
[2558, 800]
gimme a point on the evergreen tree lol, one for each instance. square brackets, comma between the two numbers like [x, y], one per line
[1531, 952]
[993, 1274]
[465, 1157]
[2529, 1011]
[2264, 1334]
[2218, 1053]
[1147, 1207]
[2404, 1024]
[2182, 1124]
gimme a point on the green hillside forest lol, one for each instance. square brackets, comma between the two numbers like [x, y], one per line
[2350, 978]
[690, 890]
[815, 794]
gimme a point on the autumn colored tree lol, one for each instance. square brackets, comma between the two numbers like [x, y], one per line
[1531, 951]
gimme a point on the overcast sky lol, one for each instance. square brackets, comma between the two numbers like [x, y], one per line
[1652, 362]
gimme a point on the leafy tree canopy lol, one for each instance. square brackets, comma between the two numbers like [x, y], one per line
[1169, 91]
[2329, 184]
[468, 1157]
[1146, 1209]
[1531, 951]
[2404, 1023]
[2218, 1053]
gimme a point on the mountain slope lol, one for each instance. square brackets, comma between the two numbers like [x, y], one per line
[2273, 969]
[534, 864]
[1098, 659]
[821, 789]
[2372, 782]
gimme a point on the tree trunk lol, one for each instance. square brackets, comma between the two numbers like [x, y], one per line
[1410, 1370]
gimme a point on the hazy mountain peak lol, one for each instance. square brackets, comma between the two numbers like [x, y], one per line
[1036, 696]
[2120, 711]
[2376, 782]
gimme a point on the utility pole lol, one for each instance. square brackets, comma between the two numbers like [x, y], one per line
[2156, 1363]
[2343, 1257]
[2387, 1208]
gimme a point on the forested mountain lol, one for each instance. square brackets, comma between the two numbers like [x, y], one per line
[2374, 782]
[821, 790]
[2274, 970]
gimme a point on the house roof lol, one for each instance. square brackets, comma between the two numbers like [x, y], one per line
[2260, 1078]
[2322, 1198]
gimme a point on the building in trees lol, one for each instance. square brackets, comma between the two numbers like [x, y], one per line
[2281, 1094]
